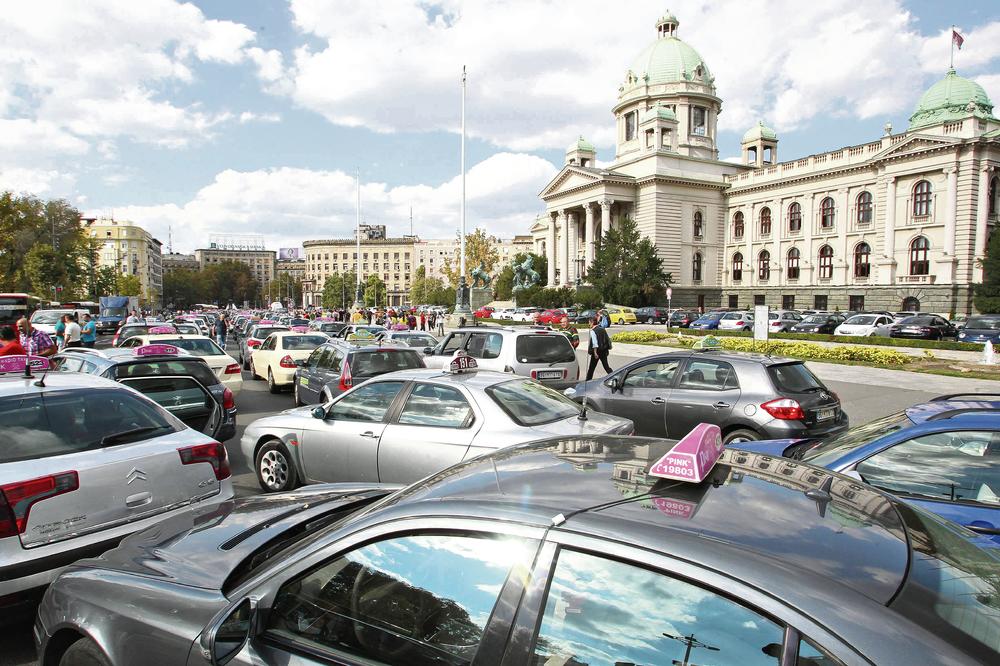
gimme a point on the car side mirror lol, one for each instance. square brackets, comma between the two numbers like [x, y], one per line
[232, 633]
[319, 412]
[428, 351]
[613, 383]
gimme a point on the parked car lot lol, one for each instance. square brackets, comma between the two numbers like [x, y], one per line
[819, 323]
[865, 326]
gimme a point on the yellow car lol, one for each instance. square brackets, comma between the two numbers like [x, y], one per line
[275, 358]
[223, 365]
[622, 316]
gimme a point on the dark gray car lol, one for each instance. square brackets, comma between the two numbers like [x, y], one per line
[749, 396]
[338, 365]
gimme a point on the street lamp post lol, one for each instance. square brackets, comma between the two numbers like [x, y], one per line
[462, 296]
[358, 294]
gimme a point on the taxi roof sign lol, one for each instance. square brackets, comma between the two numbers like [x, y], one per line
[158, 330]
[708, 342]
[19, 362]
[157, 350]
[693, 457]
[462, 363]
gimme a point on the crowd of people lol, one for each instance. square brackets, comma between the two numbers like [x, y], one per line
[69, 332]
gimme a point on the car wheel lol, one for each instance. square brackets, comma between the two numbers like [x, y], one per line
[244, 362]
[84, 652]
[274, 468]
[621, 322]
[271, 386]
[295, 393]
[740, 435]
[650, 321]
[253, 370]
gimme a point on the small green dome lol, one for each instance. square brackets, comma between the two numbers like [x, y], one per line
[660, 111]
[760, 131]
[582, 145]
[669, 60]
[951, 98]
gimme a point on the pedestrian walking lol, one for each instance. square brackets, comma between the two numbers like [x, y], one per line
[35, 342]
[600, 346]
[72, 333]
[9, 344]
[423, 321]
[221, 329]
[88, 333]
[133, 318]
[605, 319]
[60, 332]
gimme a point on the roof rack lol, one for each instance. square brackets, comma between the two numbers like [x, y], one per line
[952, 413]
[952, 396]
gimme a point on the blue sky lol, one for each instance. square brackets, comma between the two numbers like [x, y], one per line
[251, 116]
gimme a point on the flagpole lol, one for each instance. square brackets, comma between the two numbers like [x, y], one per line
[358, 294]
[951, 60]
[462, 309]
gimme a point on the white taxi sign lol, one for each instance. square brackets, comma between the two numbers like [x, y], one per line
[693, 457]
[461, 363]
[156, 350]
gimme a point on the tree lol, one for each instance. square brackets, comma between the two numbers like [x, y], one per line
[503, 285]
[986, 295]
[129, 285]
[230, 282]
[286, 287]
[375, 292]
[338, 291]
[182, 288]
[626, 269]
[479, 249]
[105, 281]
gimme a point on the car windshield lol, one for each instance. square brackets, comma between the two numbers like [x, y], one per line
[190, 367]
[861, 320]
[197, 346]
[815, 319]
[190, 329]
[734, 315]
[983, 323]
[528, 403]
[543, 348]
[416, 340]
[261, 332]
[952, 586]
[828, 451]
[372, 363]
[46, 317]
[302, 342]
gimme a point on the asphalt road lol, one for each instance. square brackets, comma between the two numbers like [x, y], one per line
[863, 402]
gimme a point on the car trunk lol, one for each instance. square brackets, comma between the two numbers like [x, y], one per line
[546, 357]
[184, 397]
[820, 406]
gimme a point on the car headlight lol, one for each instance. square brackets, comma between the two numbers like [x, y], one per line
[961, 335]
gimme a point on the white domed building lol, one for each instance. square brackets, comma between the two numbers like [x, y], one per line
[895, 224]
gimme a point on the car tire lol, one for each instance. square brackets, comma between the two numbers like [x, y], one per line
[271, 386]
[621, 322]
[650, 321]
[740, 435]
[274, 468]
[253, 371]
[295, 393]
[84, 652]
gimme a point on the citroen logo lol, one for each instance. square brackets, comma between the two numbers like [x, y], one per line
[135, 475]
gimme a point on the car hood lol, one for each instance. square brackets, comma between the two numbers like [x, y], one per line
[176, 549]
[596, 423]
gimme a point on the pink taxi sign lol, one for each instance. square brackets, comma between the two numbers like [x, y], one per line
[162, 330]
[462, 362]
[266, 321]
[157, 350]
[17, 363]
[693, 457]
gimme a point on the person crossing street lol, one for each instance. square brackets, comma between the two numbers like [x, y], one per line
[600, 347]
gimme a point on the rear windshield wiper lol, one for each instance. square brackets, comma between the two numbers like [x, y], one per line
[116, 438]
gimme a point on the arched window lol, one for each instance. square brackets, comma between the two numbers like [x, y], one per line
[826, 262]
[994, 205]
[696, 267]
[911, 304]
[827, 213]
[699, 230]
[795, 217]
[765, 221]
[737, 267]
[864, 207]
[764, 265]
[862, 260]
[793, 264]
[922, 199]
[738, 225]
[919, 264]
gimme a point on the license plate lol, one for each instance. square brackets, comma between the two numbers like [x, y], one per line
[825, 414]
[549, 374]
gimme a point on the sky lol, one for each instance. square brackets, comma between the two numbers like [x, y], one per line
[254, 116]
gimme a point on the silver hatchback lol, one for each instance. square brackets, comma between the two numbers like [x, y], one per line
[85, 461]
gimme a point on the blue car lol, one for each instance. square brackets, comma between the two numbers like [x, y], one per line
[942, 455]
[708, 322]
[981, 328]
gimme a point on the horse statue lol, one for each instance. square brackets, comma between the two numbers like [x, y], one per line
[525, 277]
[480, 278]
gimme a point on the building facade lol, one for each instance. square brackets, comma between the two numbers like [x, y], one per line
[899, 223]
[130, 250]
[175, 261]
[261, 262]
[294, 268]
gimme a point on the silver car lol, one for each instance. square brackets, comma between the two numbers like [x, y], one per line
[402, 426]
[85, 461]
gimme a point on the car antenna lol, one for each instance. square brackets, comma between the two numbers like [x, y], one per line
[583, 414]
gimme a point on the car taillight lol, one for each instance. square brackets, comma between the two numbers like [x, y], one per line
[228, 401]
[212, 453]
[253, 343]
[739, 323]
[16, 499]
[286, 362]
[346, 379]
[785, 409]
[232, 369]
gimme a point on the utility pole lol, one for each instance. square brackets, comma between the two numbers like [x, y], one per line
[462, 309]
[690, 642]
[359, 294]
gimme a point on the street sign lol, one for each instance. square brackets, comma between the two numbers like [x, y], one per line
[760, 322]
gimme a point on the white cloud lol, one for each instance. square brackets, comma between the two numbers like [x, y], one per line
[249, 116]
[35, 181]
[288, 205]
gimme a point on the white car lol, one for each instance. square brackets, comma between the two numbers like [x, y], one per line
[46, 320]
[276, 357]
[505, 313]
[222, 364]
[526, 314]
[736, 321]
[781, 321]
[865, 325]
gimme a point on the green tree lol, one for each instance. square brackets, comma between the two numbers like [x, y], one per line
[503, 285]
[375, 292]
[986, 295]
[286, 287]
[129, 285]
[626, 269]
[106, 281]
[338, 290]
[230, 282]
[479, 249]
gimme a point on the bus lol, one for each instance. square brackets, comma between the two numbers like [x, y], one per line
[90, 306]
[14, 306]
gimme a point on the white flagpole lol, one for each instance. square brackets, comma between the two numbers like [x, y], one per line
[463, 174]
[951, 60]
[357, 262]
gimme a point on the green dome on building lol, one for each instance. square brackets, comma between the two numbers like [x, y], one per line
[660, 111]
[951, 98]
[669, 60]
[582, 145]
[760, 131]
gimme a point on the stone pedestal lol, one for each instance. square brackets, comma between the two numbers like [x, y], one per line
[479, 297]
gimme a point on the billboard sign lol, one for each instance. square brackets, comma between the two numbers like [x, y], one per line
[288, 254]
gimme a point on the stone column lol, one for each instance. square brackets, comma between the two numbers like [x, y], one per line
[888, 275]
[605, 215]
[589, 236]
[749, 260]
[842, 259]
[551, 252]
[982, 213]
[564, 267]
[574, 248]
[951, 211]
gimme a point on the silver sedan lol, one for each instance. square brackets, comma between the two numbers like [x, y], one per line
[402, 426]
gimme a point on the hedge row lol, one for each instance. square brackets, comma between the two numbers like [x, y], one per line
[803, 350]
[816, 337]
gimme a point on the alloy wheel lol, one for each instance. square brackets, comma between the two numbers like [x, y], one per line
[274, 469]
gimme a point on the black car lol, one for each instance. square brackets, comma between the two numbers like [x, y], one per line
[923, 327]
[652, 315]
[180, 382]
[338, 365]
[566, 551]
[584, 317]
[683, 319]
[819, 323]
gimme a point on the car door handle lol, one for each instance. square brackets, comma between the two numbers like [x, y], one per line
[721, 405]
[369, 434]
[658, 401]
